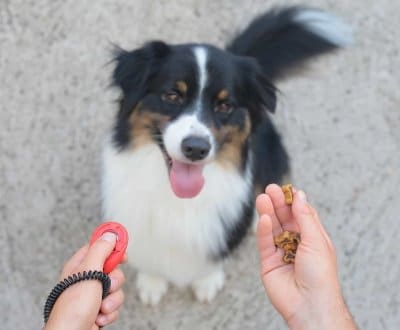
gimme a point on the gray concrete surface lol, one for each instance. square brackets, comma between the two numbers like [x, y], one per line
[343, 132]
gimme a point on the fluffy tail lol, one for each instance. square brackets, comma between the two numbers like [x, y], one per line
[282, 39]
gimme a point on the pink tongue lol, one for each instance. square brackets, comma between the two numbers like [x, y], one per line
[186, 179]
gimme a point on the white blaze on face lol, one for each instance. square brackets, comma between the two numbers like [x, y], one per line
[201, 58]
[186, 177]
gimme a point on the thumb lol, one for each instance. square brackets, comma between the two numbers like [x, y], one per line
[306, 220]
[99, 251]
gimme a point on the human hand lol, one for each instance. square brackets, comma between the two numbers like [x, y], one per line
[81, 305]
[307, 293]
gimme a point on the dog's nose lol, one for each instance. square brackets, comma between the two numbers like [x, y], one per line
[195, 148]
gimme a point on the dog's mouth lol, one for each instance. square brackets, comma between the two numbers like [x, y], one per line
[186, 178]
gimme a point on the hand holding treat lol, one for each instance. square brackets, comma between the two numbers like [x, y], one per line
[307, 292]
[287, 240]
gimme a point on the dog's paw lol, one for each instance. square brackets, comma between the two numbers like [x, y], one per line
[151, 288]
[207, 288]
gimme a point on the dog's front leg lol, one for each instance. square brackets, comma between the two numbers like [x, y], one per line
[206, 288]
[151, 288]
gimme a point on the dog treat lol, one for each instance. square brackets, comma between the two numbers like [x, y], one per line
[288, 192]
[288, 242]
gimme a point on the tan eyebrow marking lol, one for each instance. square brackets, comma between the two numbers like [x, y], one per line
[182, 86]
[223, 94]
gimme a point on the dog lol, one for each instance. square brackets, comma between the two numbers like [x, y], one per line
[193, 143]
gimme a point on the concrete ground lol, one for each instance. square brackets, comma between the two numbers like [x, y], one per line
[342, 124]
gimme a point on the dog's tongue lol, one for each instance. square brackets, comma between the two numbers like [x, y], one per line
[186, 179]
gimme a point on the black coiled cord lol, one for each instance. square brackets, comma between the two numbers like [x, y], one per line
[70, 280]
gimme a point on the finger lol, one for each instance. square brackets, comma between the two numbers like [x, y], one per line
[272, 263]
[309, 225]
[270, 256]
[117, 278]
[112, 302]
[74, 262]
[94, 327]
[265, 239]
[264, 206]
[99, 251]
[282, 210]
[261, 204]
[321, 227]
[106, 319]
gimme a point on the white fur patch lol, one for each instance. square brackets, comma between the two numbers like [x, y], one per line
[183, 127]
[201, 58]
[170, 237]
[207, 288]
[151, 288]
[327, 26]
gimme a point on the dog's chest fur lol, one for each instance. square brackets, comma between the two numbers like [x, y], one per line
[171, 237]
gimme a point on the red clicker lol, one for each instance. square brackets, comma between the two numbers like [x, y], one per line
[120, 246]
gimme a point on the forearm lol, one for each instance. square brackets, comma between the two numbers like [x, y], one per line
[326, 315]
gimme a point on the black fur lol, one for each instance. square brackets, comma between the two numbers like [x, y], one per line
[279, 43]
[234, 235]
[133, 73]
[270, 165]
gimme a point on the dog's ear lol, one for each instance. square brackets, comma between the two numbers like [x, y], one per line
[260, 93]
[135, 69]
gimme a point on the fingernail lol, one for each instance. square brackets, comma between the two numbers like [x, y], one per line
[109, 237]
[302, 196]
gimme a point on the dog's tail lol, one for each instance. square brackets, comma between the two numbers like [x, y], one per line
[283, 39]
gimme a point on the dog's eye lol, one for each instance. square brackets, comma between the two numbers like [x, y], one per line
[224, 107]
[172, 97]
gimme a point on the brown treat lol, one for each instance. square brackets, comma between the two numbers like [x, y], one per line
[289, 247]
[288, 241]
[287, 237]
[289, 257]
[288, 192]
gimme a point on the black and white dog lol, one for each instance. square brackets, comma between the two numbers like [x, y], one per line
[192, 144]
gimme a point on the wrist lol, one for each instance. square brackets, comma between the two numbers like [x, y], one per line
[326, 314]
[77, 307]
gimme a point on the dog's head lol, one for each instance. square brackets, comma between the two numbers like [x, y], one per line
[198, 103]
